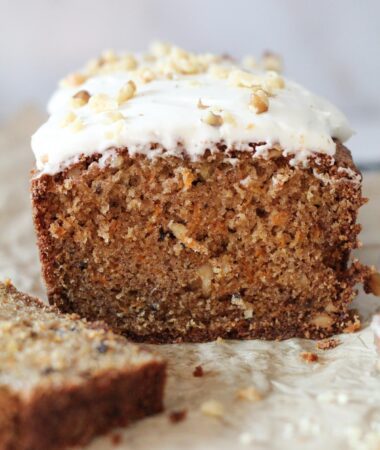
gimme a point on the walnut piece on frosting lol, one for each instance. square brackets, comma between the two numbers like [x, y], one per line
[273, 81]
[126, 92]
[68, 118]
[81, 98]
[215, 120]
[102, 102]
[146, 74]
[242, 78]
[72, 80]
[259, 101]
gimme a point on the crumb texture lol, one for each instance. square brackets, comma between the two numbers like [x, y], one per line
[228, 246]
[63, 380]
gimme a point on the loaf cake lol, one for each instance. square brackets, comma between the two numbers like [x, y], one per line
[184, 197]
[64, 380]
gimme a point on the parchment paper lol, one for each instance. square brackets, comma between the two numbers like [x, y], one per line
[330, 404]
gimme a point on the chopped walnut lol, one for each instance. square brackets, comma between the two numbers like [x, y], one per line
[126, 92]
[187, 177]
[215, 120]
[244, 79]
[180, 232]
[273, 82]
[146, 75]
[259, 101]
[212, 408]
[205, 273]
[249, 393]
[101, 102]
[81, 98]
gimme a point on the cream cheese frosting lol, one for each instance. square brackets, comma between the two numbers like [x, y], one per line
[182, 103]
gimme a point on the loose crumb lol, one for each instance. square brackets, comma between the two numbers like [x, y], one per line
[309, 357]
[116, 439]
[212, 408]
[328, 344]
[178, 416]
[198, 372]
[249, 393]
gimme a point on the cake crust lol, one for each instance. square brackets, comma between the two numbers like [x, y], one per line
[46, 410]
[229, 245]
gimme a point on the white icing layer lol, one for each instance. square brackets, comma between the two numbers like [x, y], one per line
[172, 113]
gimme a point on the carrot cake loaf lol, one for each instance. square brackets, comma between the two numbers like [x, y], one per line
[182, 197]
[63, 380]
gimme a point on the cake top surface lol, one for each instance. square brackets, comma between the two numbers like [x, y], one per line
[40, 347]
[169, 101]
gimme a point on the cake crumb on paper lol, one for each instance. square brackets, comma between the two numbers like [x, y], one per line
[309, 357]
[212, 408]
[116, 439]
[249, 393]
[328, 344]
[178, 416]
[198, 372]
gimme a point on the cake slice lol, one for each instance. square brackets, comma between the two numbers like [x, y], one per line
[64, 380]
[182, 197]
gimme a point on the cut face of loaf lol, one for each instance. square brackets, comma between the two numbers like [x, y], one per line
[230, 245]
[64, 381]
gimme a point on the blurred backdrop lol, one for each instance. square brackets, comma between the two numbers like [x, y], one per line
[330, 46]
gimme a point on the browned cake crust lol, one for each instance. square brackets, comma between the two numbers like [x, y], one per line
[44, 409]
[172, 250]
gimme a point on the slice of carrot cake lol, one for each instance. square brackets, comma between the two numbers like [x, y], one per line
[182, 197]
[64, 380]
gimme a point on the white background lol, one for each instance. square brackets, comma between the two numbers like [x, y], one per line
[331, 46]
